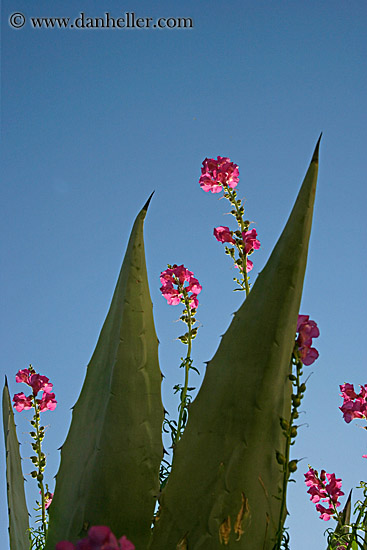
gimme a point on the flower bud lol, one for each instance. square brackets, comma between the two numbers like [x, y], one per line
[280, 458]
[296, 400]
[302, 388]
[284, 424]
[292, 466]
[294, 431]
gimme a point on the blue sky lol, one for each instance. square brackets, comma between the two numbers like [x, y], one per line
[94, 120]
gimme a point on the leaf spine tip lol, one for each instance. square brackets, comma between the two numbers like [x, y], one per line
[315, 156]
[145, 207]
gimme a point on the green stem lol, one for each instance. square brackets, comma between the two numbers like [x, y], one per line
[187, 368]
[40, 467]
[243, 228]
[245, 276]
[286, 471]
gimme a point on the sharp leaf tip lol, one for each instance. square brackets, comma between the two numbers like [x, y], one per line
[315, 156]
[145, 207]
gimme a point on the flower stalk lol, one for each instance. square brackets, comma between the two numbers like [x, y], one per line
[306, 330]
[222, 174]
[176, 291]
[47, 402]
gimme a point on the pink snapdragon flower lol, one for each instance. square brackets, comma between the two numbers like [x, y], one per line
[325, 488]
[354, 405]
[38, 383]
[47, 402]
[223, 234]
[250, 241]
[22, 402]
[99, 537]
[249, 266]
[307, 330]
[218, 173]
[48, 498]
[178, 276]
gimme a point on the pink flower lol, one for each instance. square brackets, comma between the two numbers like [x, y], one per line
[194, 302]
[182, 273]
[40, 383]
[172, 295]
[308, 355]
[177, 272]
[218, 173]
[99, 537]
[178, 276]
[47, 402]
[354, 406]
[36, 381]
[348, 391]
[126, 544]
[307, 330]
[48, 499]
[223, 234]
[21, 402]
[194, 286]
[328, 492]
[23, 376]
[326, 513]
[249, 266]
[250, 240]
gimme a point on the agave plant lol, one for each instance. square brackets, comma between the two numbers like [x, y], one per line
[225, 488]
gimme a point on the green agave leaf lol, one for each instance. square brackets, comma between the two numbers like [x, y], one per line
[345, 516]
[17, 507]
[109, 471]
[344, 520]
[225, 483]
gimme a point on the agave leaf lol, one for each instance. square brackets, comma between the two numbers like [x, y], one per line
[109, 471]
[343, 521]
[17, 507]
[344, 518]
[225, 482]
[364, 530]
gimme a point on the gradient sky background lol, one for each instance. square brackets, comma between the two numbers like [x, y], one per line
[94, 120]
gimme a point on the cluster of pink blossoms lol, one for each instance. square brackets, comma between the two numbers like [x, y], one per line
[99, 537]
[307, 330]
[319, 489]
[250, 241]
[354, 405]
[37, 383]
[177, 276]
[218, 173]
